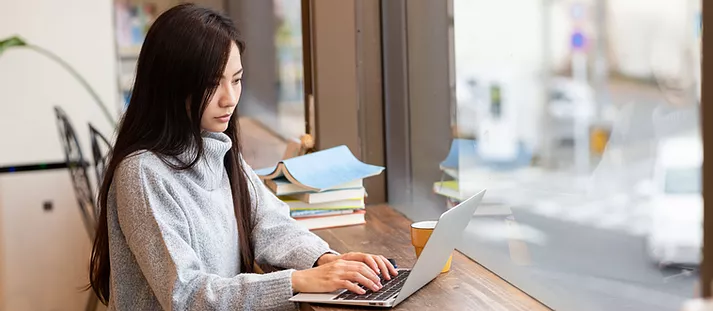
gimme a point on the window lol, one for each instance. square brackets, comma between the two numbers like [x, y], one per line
[274, 81]
[605, 212]
[273, 86]
[580, 118]
[683, 181]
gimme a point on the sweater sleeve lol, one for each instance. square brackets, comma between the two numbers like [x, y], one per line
[279, 240]
[160, 240]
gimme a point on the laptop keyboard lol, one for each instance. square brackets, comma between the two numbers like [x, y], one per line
[391, 287]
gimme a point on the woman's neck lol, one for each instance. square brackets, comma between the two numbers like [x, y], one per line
[209, 170]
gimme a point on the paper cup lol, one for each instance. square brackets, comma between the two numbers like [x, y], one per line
[420, 232]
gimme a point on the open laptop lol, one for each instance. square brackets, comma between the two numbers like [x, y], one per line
[448, 232]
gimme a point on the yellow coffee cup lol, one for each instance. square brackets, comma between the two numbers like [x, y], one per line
[420, 232]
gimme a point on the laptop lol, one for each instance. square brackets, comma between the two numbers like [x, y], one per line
[448, 232]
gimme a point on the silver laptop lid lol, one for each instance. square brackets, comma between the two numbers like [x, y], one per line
[448, 233]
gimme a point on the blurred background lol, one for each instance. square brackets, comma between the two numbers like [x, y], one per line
[580, 117]
[584, 123]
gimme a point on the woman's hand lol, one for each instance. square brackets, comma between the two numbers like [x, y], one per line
[335, 275]
[377, 263]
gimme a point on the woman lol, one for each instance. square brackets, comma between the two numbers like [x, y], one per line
[183, 217]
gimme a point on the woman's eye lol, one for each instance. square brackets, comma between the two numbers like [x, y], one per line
[236, 81]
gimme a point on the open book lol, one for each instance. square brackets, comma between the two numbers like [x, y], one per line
[465, 154]
[462, 150]
[282, 186]
[321, 170]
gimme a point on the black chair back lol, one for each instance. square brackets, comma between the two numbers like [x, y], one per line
[77, 166]
[101, 149]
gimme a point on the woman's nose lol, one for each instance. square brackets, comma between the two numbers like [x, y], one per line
[229, 96]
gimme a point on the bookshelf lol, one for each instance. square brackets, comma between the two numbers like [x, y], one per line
[132, 19]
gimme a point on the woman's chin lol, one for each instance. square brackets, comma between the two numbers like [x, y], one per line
[217, 128]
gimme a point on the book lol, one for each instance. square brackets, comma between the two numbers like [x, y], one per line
[330, 195]
[282, 186]
[461, 150]
[326, 212]
[322, 170]
[455, 190]
[449, 189]
[325, 222]
[465, 154]
[453, 173]
[295, 204]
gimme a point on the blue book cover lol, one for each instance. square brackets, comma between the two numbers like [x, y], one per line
[322, 170]
[311, 213]
[467, 149]
[459, 148]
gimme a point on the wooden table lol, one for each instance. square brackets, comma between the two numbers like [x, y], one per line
[468, 286]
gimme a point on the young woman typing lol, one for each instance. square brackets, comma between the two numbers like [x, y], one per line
[183, 218]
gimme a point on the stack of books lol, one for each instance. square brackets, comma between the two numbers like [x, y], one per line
[466, 171]
[461, 156]
[323, 189]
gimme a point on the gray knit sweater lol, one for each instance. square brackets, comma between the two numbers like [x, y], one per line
[173, 238]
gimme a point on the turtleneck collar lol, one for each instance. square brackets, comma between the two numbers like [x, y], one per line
[209, 171]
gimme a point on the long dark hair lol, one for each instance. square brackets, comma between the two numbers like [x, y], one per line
[181, 61]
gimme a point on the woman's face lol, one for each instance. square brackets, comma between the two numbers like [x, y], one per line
[221, 106]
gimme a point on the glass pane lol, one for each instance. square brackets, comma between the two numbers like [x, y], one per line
[273, 83]
[288, 41]
[581, 120]
[274, 88]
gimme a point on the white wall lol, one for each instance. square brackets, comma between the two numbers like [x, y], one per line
[44, 255]
[80, 32]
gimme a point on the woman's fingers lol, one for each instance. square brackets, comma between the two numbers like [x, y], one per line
[362, 257]
[352, 287]
[363, 280]
[367, 272]
[373, 263]
[382, 262]
[391, 267]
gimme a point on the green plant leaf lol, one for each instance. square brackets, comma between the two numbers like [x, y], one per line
[11, 42]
